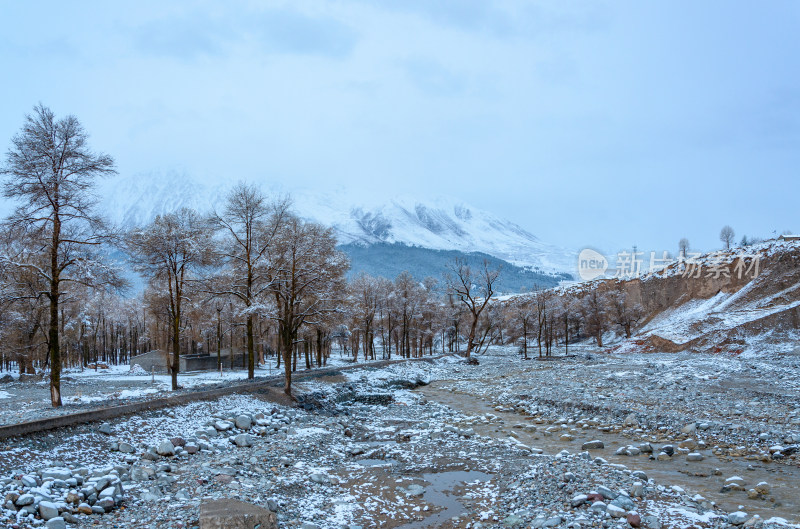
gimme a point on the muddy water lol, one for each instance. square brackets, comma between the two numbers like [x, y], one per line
[441, 483]
[694, 477]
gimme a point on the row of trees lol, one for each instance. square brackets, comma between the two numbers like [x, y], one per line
[252, 276]
[56, 251]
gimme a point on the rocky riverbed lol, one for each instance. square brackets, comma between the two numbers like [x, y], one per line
[507, 443]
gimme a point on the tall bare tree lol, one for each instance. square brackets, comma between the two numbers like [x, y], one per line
[167, 252]
[683, 246]
[474, 290]
[726, 235]
[306, 281]
[365, 301]
[51, 171]
[249, 223]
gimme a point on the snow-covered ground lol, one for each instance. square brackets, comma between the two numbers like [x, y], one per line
[366, 450]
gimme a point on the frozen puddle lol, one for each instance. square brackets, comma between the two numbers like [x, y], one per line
[437, 494]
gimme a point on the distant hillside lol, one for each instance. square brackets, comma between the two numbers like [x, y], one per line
[722, 309]
[388, 260]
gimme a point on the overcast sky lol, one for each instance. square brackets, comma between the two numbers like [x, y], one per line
[588, 123]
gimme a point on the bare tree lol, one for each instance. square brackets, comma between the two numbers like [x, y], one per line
[523, 313]
[683, 246]
[365, 292]
[474, 290]
[622, 312]
[726, 235]
[306, 280]
[249, 224]
[167, 252]
[593, 311]
[51, 171]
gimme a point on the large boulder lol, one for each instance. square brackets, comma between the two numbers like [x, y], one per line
[235, 514]
[166, 448]
[48, 510]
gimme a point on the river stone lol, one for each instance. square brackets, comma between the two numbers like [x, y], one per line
[598, 506]
[223, 426]
[637, 490]
[695, 456]
[243, 422]
[606, 492]
[107, 504]
[107, 492]
[738, 517]
[57, 473]
[126, 448]
[48, 510]
[323, 479]
[593, 445]
[243, 439]
[25, 499]
[104, 428]
[235, 514]
[56, 523]
[624, 502]
[616, 511]
[631, 420]
[668, 449]
[579, 500]
[165, 448]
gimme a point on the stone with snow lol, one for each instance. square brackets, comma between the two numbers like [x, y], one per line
[243, 422]
[165, 448]
[48, 510]
[56, 523]
[738, 517]
[579, 500]
[243, 440]
[615, 511]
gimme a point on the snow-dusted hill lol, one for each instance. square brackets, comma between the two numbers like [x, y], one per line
[440, 223]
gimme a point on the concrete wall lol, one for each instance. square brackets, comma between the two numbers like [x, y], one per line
[153, 359]
[158, 360]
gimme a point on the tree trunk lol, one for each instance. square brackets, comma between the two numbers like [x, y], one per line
[251, 355]
[53, 345]
[471, 338]
[176, 351]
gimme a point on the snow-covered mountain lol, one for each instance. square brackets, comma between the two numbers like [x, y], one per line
[439, 223]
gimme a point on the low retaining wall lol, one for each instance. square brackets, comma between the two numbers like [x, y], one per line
[112, 412]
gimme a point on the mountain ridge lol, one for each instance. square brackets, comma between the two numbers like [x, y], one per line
[437, 223]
